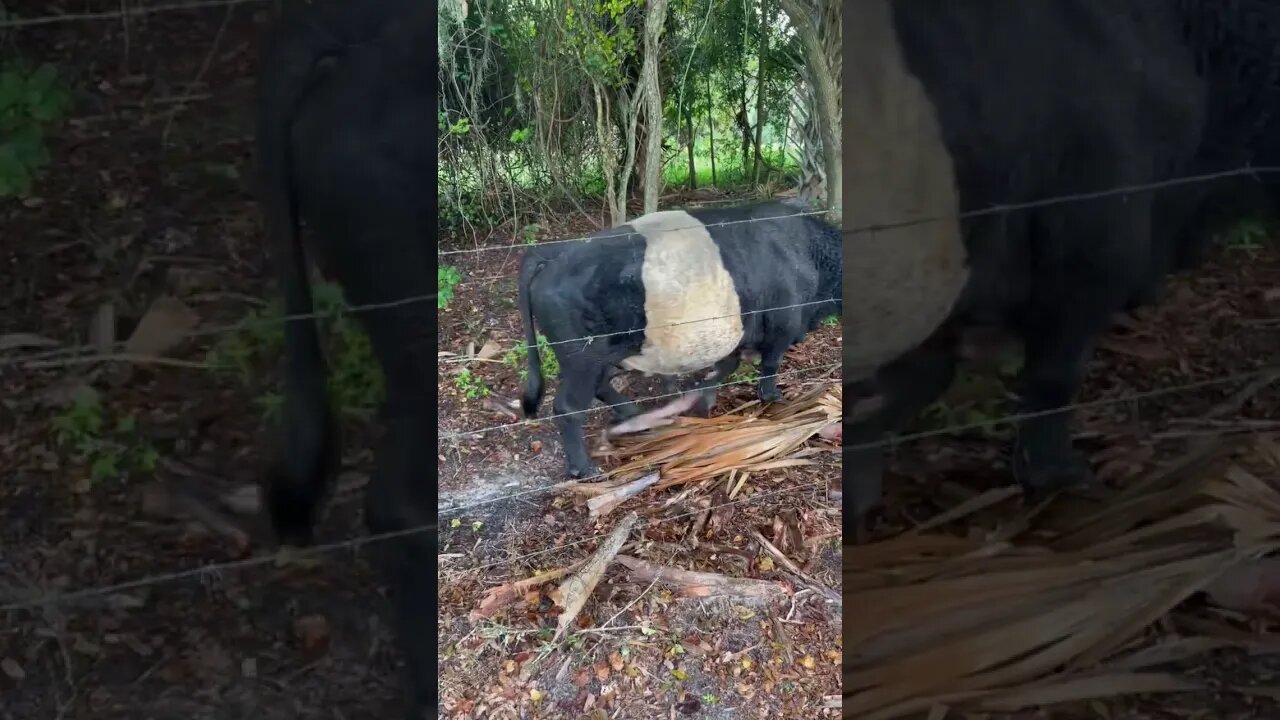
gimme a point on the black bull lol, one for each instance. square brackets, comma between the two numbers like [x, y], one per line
[672, 293]
[954, 107]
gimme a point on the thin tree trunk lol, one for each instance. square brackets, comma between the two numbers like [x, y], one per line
[631, 114]
[693, 169]
[654, 21]
[608, 160]
[711, 129]
[826, 94]
[764, 49]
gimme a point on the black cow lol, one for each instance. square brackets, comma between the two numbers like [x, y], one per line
[953, 107]
[344, 141]
[675, 292]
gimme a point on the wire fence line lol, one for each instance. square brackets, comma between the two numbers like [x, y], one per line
[213, 569]
[121, 13]
[902, 224]
[592, 338]
[629, 233]
[1273, 372]
[48, 355]
[527, 421]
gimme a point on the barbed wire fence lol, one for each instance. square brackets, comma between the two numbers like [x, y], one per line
[94, 354]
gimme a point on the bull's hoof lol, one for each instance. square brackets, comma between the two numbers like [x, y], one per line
[863, 525]
[703, 407]
[771, 395]
[584, 471]
[623, 413]
[1041, 479]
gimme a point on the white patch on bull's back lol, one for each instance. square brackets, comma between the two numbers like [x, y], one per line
[900, 283]
[692, 314]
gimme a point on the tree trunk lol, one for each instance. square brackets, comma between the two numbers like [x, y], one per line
[825, 89]
[693, 169]
[743, 122]
[764, 49]
[654, 21]
[711, 130]
[630, 115]
[608, 160]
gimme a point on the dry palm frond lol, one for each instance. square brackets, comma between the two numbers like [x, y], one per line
[753, 440]
[1067, 613]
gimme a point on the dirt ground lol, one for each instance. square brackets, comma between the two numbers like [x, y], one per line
[147, 196]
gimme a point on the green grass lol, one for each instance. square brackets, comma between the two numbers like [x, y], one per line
[518, 357]
[32, 101]
[111, 449]
[355, 382]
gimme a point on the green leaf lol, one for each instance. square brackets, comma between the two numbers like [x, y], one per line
[11, 89]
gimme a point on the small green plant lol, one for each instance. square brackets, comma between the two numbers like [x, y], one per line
[1248, 236]
[529, 235]
[447, 278]
[355, 382]
[831, 320]
[977, 399]
[746, 373]
[31, 100]
[471, 386]
[518, 356]
[110, 450]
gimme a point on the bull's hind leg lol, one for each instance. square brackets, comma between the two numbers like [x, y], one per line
[400, 497]
[580, 381]
[398, 501]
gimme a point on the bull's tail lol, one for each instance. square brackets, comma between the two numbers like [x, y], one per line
[290, 60]
[533, 382]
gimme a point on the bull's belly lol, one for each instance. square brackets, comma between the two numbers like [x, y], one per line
[682, 350]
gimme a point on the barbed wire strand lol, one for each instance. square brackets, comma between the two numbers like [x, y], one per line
[948, 430]
[214, 568]
[1007, 207]
[592, 338]
[585, 541]
[902, 224]
[13, 23]
[629, 233]
[527, 421]
[54, 357]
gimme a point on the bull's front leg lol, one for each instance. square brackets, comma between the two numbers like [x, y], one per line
[770, 361]
[709, 389]
[1043, 457]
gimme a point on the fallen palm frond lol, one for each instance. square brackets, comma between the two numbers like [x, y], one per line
[750, 440]
[1066, 612]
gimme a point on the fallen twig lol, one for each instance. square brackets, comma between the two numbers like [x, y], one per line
[604, 503]
[794, 569]
[503, 595]
[700, 584]
[573, 593]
